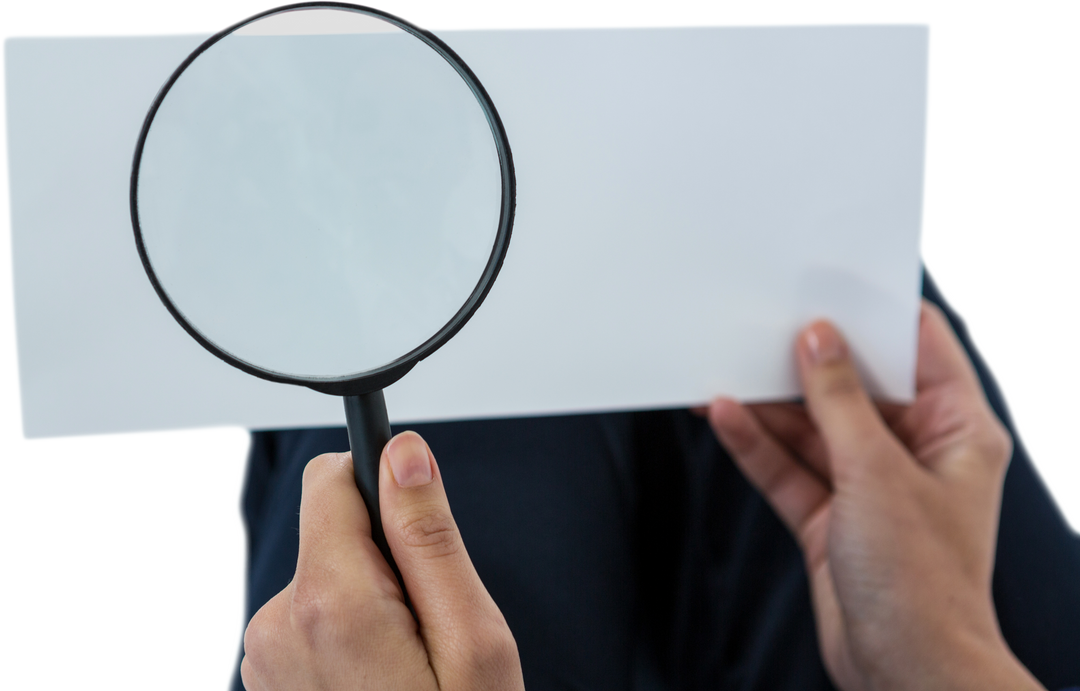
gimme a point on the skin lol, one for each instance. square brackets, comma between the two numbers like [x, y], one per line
[342, 622]
[895, 509]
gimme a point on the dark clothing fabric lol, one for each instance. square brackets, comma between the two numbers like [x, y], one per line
[627, 552]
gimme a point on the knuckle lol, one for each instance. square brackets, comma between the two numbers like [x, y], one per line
[259, 636]
[492, 650]
[995, 444]
[331, 609]
[322, 468]
[433, 531]
[313, 609]
[247, 674]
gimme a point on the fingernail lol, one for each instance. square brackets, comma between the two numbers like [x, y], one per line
[409, 461]
[823, 344]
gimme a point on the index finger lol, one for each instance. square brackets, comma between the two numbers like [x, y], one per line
[335, 530]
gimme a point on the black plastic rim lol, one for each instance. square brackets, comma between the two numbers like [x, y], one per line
[381, 377]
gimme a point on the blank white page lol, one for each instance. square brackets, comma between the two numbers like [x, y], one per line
[687, 199]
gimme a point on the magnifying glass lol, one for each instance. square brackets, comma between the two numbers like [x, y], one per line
[323, 195]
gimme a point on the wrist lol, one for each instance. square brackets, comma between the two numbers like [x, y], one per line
[993, 667]
[968, 663]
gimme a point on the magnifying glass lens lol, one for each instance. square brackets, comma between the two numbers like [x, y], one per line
[319, 193]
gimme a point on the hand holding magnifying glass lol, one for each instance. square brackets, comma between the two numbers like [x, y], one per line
[340, 624]
[323, 195]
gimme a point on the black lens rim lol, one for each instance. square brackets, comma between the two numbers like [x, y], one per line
[371, 380]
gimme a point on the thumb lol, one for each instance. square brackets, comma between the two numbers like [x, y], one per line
[452, 605]
[841, 409]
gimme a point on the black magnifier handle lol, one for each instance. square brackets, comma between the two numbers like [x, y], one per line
[369, 430]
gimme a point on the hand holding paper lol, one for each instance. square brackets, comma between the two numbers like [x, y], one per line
[896, 509]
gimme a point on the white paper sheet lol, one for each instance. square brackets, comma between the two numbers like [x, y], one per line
[687, 199]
